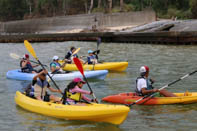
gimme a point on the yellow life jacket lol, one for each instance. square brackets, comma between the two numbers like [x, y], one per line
[74, 96]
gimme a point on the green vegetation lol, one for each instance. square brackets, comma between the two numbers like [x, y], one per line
[24, 9]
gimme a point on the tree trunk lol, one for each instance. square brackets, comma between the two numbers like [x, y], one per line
[86, 6]
[99, 4]
[121, 5]
[110, 5]
[91, 6]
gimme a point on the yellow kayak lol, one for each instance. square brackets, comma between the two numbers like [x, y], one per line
[111, 66]
[114, 114]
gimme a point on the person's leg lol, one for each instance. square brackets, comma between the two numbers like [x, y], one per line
[166, 93]
[54, 98]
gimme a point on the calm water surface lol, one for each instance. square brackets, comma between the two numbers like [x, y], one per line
[167, 63]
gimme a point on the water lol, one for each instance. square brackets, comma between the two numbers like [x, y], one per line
[167, 63]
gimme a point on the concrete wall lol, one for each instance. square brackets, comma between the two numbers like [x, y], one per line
[58, 24]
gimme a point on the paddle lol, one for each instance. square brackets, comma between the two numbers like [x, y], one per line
[15, 56]
[97, 46]
[173, 82]
[80, 68]
[33, 53]
[77, 50]
[97, 50]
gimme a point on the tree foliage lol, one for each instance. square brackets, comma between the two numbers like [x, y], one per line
[18, 9]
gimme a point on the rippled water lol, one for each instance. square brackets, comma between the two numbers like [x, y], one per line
[167, 63]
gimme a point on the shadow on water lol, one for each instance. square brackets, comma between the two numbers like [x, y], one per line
[35, 121]
[15, 85]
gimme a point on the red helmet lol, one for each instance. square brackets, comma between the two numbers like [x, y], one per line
[144, 69]
[26, 56]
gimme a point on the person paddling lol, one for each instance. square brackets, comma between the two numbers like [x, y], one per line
[91, 59]
[74, 94]
[39, 88]
[69, 55]
[144, 85]
[55, 66]
[26, 65]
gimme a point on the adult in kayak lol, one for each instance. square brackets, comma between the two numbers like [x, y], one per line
[74, 94]
[56, 67]
[26, 65]
[144, 85]
[91, 59]
[39, 86]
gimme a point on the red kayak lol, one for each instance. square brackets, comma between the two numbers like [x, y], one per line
[129, 98]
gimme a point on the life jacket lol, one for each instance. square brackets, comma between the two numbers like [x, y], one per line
[28, 68]
[91, 59]
[148, 83]
[56, 64]
[40, 88]
[76, 96]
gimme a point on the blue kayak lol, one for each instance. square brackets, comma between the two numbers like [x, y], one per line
[18, 75]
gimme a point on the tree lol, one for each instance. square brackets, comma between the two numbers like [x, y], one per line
[91, 6]
[12, 9]
[121, 5]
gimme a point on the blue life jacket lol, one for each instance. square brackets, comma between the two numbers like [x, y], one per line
[90, 58]
[28, 68]
[148, 83]
[56, 64]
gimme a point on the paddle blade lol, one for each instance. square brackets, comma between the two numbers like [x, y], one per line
[98, 41]
[30, 49]
[15, 56]
[76, 51]
[79, 65]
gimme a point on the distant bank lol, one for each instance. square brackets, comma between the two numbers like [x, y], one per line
[132, 27]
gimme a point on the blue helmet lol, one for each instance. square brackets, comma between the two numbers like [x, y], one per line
[90, 51]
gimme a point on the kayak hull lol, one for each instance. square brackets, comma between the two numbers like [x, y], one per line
[18, 75]
[111, 66]
[114, 114]
[129, 98]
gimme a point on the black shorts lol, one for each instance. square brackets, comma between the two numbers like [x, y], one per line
[47, 97]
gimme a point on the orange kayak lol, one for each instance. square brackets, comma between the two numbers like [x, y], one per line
[129, 98]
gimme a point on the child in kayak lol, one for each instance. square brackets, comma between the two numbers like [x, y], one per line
[72, 54]
[55, 66]
[144, 85]
[73, 94]
[91, 59]
[69, 55]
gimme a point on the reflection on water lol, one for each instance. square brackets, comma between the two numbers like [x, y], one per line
[167, 63]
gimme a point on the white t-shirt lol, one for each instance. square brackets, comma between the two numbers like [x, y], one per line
[141, 83]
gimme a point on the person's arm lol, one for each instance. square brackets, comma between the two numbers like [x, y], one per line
[35, 65]
[37, 75]
[79, 90]
[145, 91]
[23, 64]
[52, 89]
[86, 98]
[142, 85]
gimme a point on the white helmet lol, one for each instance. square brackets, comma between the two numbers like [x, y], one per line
[55, 57]
[144, 69]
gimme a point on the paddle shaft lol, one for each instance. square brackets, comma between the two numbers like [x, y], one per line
[97, 46]
[36, 62]
[173, 82]
[49, 76]
[33, 53]
[90, 88]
